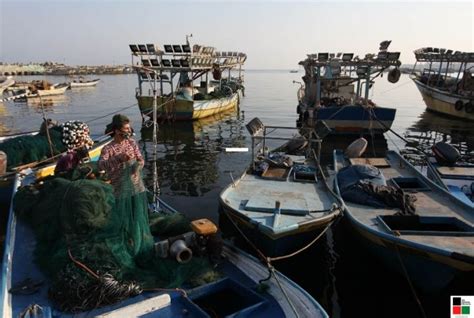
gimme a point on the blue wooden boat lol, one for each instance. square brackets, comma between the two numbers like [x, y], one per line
[434, 246]
[458, 179]
[234, 295]
[336, 91]
[451, 171]
[284, 207]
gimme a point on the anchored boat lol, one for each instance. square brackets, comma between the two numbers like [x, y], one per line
[336, 91]
[82, 82]
[416, 227]
[180, 77]
[234, 291]
[282, 202]
[447, 85]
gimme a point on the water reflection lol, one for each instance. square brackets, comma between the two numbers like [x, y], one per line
[432, 128]
[48, 102]
[189, 152]
[4, 117]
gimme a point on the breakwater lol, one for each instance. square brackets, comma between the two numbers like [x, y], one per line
[50, 68]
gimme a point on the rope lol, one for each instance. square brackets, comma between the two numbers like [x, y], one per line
[284, 292]
[412, 288]
[113, 113]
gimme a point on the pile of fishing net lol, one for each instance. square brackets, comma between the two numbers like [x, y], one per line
[27, 149]
[98, 249]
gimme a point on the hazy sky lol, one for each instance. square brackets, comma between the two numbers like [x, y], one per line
[274, 34]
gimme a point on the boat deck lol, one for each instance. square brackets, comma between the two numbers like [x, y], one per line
[302, 203]
[431, 203]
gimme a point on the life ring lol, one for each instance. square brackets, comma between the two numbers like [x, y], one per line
[458, 105]
[469, 107]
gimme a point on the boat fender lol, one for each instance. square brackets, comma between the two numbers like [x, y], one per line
[394, 75]
[458, 105]
[356, 148]
[469, 107]
[445, 154]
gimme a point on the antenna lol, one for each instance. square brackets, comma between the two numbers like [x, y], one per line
[188, 36]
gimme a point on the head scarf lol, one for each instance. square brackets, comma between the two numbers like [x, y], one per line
[76, 134]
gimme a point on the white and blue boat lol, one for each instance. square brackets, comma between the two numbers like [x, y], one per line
[336, 91]
[232, 295]
[433, 245]
[279, 206]
[455, 176]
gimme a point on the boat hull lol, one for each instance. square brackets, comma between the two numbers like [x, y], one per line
[431, 260]
[356, 119]
[84, 84]
[187, 110]
[272, 245]
[443, 102]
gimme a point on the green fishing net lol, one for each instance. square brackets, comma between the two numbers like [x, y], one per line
[26, 149]
[81, 222]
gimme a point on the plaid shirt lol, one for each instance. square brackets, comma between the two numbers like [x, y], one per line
[112, 162]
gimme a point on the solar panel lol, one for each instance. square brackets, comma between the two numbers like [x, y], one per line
[393, 56]
[146, 62]
[142, 48]
[151, 48]
[323, 57]
[134, 48]
[184, 63]
[154, 62]
[176, 63]
[166, 62]
[186, 48]
[382, 55]
[177, 49]
[346, 57]
[168, 48]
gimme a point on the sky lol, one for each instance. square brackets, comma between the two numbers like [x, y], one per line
[273, 34]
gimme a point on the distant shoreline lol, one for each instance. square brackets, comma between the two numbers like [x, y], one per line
[50, 68]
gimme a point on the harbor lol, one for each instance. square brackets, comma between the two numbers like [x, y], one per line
[206, 177]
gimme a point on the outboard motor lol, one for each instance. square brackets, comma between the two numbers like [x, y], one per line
[201, 241]
[445, 154]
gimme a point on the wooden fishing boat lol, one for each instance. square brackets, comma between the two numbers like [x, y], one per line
[81, 82]
[336, 90]
[5, 83]
[180, 79]
[233, 294]
[450, 94]
[448, 170]
[280, 206]
[433, 247]
[46, 167]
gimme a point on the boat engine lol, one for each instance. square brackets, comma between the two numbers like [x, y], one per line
[201, 241]
[445, 154]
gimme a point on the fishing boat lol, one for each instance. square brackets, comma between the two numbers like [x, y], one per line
[45, 167]
[82, 82]
[447, 83]
[35, 90]
[449, 170]
[6, 82]
[413, 225]
[336, 90]
[282, 202]
[235, 293]
[179, 76]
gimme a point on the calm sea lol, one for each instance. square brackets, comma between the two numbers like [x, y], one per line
[193, 168]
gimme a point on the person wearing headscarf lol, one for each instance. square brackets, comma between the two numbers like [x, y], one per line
[122, 156]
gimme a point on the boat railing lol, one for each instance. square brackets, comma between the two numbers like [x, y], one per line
[260, 134]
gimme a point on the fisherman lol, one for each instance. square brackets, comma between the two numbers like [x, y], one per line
[121, 158]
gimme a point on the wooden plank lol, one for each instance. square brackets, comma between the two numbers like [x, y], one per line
[376, 162]
[141, 308]
[457, 171]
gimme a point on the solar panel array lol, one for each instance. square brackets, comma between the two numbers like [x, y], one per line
[430, 54]
[177, 56]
